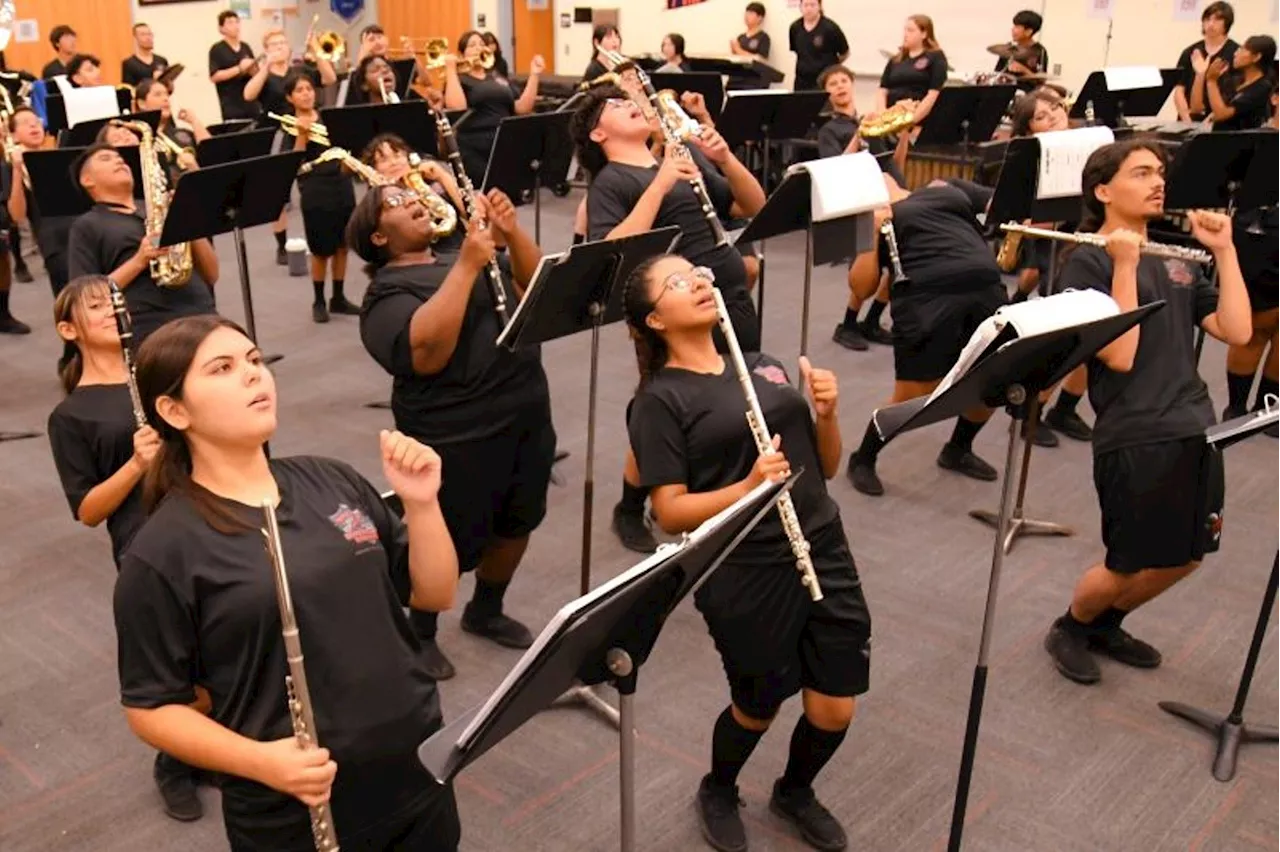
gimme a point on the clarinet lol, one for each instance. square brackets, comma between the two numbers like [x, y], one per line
[895, 259]
[295, 682]
[497, 291]
[764, 443]
[124, 325]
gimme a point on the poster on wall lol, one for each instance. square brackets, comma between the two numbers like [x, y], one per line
[1186, 10]
[676, 4]
[1100, 8]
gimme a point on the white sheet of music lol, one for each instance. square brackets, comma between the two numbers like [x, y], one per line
[844, 185]
[1063, 154]
[87, 104]
[1125, 77]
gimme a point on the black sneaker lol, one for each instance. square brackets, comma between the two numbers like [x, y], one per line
[863, 476]
[1069, 423]
[1070, 652]
[1122, 647]
[718, 815]
[1044, 436]
[9, 325]
[177, 785]
[499, 628]
[282, 256]
[434, 660]
[319, 313]
[22, 274]
[850, 338]
[876, 333]
[632, 529]
[342, 306]
[965, 462]
[802, 809]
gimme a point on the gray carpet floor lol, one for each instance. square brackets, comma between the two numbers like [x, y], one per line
[1061, 768]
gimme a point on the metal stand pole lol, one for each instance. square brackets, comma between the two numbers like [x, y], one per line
[17, 436]
[246, 294]
[808, 281]
[1016, 397]
[620, 665]
[764, 185]
[537, 203]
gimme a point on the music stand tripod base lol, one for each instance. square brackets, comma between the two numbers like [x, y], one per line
[586, 696]
[17, 436]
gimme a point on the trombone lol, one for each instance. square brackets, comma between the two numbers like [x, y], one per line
[289, 124]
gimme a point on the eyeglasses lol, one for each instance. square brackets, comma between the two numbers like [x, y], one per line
[684, 281]
[618, 103]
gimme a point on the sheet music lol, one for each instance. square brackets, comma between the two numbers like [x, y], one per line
[546, 261]
[1125, 77]
[844, 185]
[1063, 154]
[87, 104]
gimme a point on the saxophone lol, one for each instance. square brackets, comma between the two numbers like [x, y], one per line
[443, 217]
[173, 267]
[1007, 256]
[764, 443]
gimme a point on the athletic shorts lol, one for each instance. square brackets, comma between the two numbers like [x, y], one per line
[497, 487]
[1037, 255]
[1161, 503]
[930, 329]
[774, 640]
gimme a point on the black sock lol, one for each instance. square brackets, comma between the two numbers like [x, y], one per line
[633, 497]
[338, 295]
[1018, 296]
[731, 745]
[811, 748]
[964, 432]
[1266, 387]
[1072, 625]
[487, 600]
[874, 312]
[1238, 390]
[578, 239]
[4, 303]
[424, 624]
[1067, 402]
[850, 318]
[318, 286]
[15, 245]
[1109, 620]
[280, 236]
[869, 450]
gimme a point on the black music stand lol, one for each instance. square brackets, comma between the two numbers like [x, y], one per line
[831, 241]
[55, 107]
[965, 115]
[755, 72]
[56, 193]
[1113, 107]
[231, 197]
[231, 148]
[709, 85]
[606, 635]
[1231, 730]
[354, 127]
[234, 125]
[528, 153]
[1013, 375]
[85, 133]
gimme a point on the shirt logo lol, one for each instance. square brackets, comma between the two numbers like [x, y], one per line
[771, 373]
[1179, 272]
[754, 43]
[922, 63]
[817, 41]
[354, 525]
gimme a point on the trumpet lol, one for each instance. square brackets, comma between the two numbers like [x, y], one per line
[608, 78]
[895, 119]
[289, 124]
[1190, 255]
[330, 47]
[436, 61]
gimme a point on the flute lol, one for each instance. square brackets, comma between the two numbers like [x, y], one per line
[1190, 255]
[764, 443]
[124, 325]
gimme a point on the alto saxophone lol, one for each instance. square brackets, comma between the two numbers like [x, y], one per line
[173, 267]
[764, 444]
[295, 682]
[1007, 256]
[443, 217]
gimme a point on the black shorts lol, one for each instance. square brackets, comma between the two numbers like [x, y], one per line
[1264, 295]
[1161, 504]
[497, 487]
[930, 329]
[327, 203]
[774, 640]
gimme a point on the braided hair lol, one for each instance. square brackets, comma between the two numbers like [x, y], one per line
[637, 304]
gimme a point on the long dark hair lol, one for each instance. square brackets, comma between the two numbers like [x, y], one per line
[637, 304]
[362, 225]
[69, 307]
[164, 360]
[362, 70]
[1025, 109]
[1100, 168]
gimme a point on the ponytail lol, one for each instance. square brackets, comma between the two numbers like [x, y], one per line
[71, 372]
[651, 348]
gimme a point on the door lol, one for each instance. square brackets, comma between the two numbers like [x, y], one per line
[103, 28]
[534, 33]
[422, 19]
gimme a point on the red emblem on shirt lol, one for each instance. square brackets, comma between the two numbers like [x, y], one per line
[771, 373]
[1179, 272]
[922, 63]
[354, 525]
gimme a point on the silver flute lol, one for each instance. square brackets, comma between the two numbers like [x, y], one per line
[891, 242]
[124, 325]
[1190, 255]
[764, 444]
[295, 682]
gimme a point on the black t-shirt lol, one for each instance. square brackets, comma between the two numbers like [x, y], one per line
[834, 136]
[133, 70]
[759, 44]
[913, 77]
[488, 102]
[1252, 104]
[231, 92]
[1226, 53]
[616, 189]
[53, 69]
[197, 607]
[594, 68]
[1163, 397]
[1259, 253]
[91, 434]
[939, 242]
[816, 49]
[272, 97]
[483, 388]
[104, 238]
[689, 429]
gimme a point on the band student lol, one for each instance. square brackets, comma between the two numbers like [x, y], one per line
[604, 36]
[697, 454]
[111, 240]
[951, 285]
[1249, 105]
[1189, 96]
[196, 607]
[1029, 56]
[84, 71]
[754, 41]
[390, 157]
[429, 321]
[1160, 486]
[101, 454]
[630, 194]
[63, 40]
[372, 77]
[917, 72]
[672, 49]
[231, 64]
[818, 43]
[489, 98]
[152, 94]
[144, 63]
[51, 232]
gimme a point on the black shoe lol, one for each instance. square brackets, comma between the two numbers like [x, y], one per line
[1043, 437]
[850, 338]
[1069, 423]
[1122, 647]
[282, 256]
[499, 628]
[801, 808]
[876, 333]
[632, 529]
[9, 325]
[177, 785]
[718, 815]
[863, 476]
[965, 462]
[21, 274]
[434, 660]
[342, 306]
[319, 313]
[1070, 652]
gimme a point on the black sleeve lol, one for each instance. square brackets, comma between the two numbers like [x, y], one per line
[74, 459]
[1087, 268]
[978, 196]
[1044, 60]
[831, 141]
[792, 36]
[937, 70]
[384, 328]
[1251, 101]
[1206, 303]
[82, 251]
[1188, 72]
[215, 60]
[392, 532]
[763, 46]
[609, 201]
[658, 442]
[156, 645]
[126, 73]
[839, 44]
[717, 184]
[884, 75]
